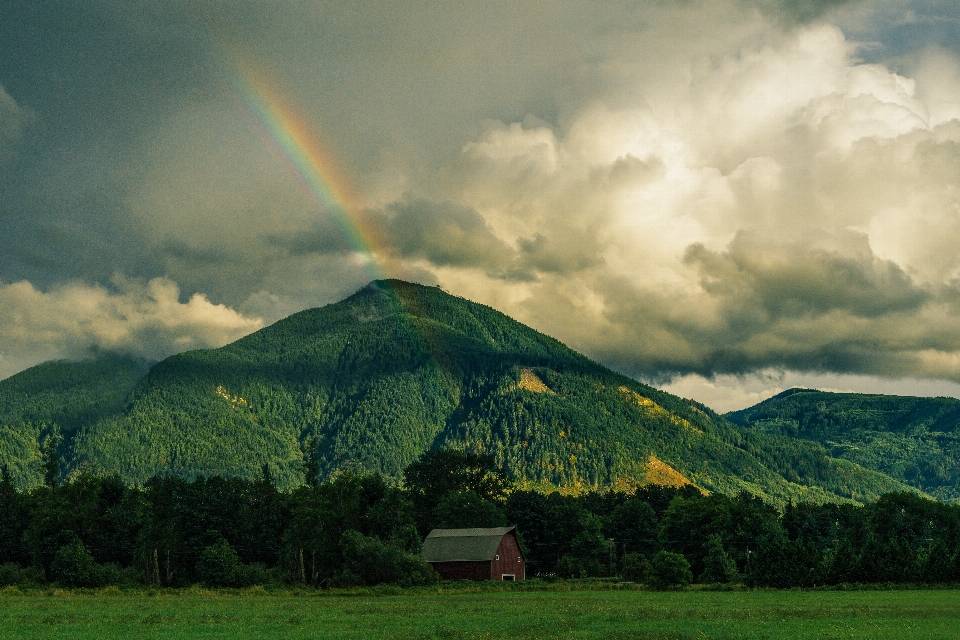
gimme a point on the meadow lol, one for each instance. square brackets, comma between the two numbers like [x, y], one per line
[516, 614]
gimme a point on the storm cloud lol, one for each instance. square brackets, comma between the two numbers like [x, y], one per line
[687, 191]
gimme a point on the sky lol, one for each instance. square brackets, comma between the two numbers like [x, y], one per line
[723, 198]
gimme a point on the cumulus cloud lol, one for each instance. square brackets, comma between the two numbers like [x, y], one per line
[143, 319]
[783, 206]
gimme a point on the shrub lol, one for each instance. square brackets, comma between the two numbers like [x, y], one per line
[635, 567]
[12, 573]
[219, 566]
[569, 567]
[258, 573]
[669, 570]
[369, 561]
[73, 566]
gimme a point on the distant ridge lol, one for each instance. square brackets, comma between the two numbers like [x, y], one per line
[913, 440]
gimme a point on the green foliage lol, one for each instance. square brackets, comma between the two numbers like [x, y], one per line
[633, 525]
[51, 459]
[313, 544]
[74, 566]
[465, 510]
[370, 561]
[634, 567]
[311, 463]
[219, 566]
[432, 478]
[718, 566]
[915, 441]
[669, 571]
[20, 453]
[72, 395]
[13, 519]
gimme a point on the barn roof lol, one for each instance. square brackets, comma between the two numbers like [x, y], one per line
[449, 545]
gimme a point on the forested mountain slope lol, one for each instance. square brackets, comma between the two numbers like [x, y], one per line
[913, 440]
[397, 369]
[63, 395]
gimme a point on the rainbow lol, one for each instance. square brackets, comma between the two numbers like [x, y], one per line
[293, 140]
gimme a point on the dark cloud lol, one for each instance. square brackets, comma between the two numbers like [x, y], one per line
[799, 11]
[805, 278]
[447, 234]
[12, 120]
[824, 304]
[444, 233]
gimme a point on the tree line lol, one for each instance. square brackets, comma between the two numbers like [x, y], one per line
[357, 529]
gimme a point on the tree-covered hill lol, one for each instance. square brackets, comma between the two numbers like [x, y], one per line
[913, 440]
[61, 395]
[373, 381]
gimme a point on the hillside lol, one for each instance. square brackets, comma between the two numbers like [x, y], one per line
[70, 395]
[913, 440]
[397, 369]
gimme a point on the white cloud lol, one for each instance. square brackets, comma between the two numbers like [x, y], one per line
[143, 319]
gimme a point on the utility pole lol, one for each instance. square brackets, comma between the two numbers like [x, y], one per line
[613, 557]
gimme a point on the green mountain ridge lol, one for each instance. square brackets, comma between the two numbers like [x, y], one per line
[910, 439]
[390, 372]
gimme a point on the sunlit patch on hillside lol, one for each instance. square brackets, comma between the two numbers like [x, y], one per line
[656, 410]
[662, 474]
[531, 382]
[234, 400]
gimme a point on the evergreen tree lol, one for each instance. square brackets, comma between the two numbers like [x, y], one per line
[438, 473]
[51, 459]
[465, 510]
[311, 462]
[633, 524]
[718, 566]
[12, 520]
[936, 564]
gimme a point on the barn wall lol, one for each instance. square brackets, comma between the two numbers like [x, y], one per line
[462, 570]
[509, 552]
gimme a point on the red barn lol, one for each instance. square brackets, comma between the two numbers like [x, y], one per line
[475, 554]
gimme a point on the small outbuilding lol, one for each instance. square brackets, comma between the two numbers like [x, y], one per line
[475, 554]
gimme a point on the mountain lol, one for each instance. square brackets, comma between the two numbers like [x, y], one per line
[913, 440]
[397, 369]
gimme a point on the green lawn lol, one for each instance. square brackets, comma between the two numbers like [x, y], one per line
[507, 614]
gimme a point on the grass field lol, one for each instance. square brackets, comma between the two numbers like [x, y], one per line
[506, 614]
